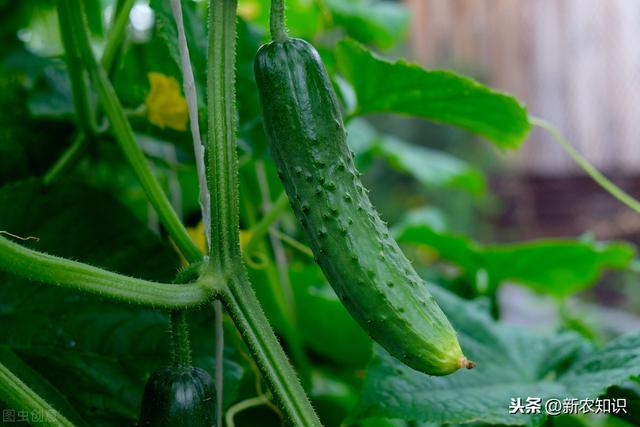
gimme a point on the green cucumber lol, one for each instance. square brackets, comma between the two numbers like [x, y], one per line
[178, 396]
[352, 245]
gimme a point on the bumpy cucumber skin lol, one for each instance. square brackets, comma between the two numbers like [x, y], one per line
[352, 245]
[178, 396]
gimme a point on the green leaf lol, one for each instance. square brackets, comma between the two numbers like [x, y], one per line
[431, 168]
[96, 353]
[327, 327]
[511, 363]
[557, 267]
[380, 23]
[383, 86]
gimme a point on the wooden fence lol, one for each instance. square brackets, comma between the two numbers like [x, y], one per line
[574, 62]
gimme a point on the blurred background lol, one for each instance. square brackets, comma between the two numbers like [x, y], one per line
[574, 62]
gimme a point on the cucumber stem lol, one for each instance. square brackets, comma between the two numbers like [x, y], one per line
[277, 21]
[617, 192]
[180, 339]
[19, 396]
[41, 267]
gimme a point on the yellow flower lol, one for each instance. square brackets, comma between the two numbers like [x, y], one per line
[249, 9]
[197, 235]
[245, 235]
[166, 107]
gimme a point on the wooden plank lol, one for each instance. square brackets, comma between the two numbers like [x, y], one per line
[574, 62]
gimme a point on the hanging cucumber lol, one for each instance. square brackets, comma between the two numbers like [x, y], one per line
[352, 245]
[178, 396]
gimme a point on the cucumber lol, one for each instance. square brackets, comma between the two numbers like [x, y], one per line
[352, 245]
[178, 396]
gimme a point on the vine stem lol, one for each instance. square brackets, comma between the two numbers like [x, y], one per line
[222, 156]
[243, 406]
[79, 91]
[204, 195]
[587, 167]
[301, 247]
[277, 21]
[180, 338]
[71, 10]
[225, 255]
[67, 160]
[116, 34]
[78, 147]
[38, 266]
[254, 327]
[18, 395]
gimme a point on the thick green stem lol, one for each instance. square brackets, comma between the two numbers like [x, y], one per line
[594, 173]
[221, 144]
[254, 327]
[180, 338]
[72, 10]
[277, 21]
[225, 255]
[38, 266]
[20, 397]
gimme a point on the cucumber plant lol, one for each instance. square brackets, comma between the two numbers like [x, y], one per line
[307, 139]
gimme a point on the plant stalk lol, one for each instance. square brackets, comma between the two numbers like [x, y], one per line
[244, 309]
[41, 267]
[225, 255]
[277, 21]
[72, 11]
[116, 35]
[19, 396]
[180, 338]
[617, 192]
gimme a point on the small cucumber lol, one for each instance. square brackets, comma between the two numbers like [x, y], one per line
[352, 245]
[178, 396]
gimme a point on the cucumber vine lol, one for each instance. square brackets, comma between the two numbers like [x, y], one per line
[225, 277]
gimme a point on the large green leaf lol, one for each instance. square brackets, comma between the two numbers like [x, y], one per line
[511, 363]
[382, 86]
[94, 352]
[381, 23]
[557, 267]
